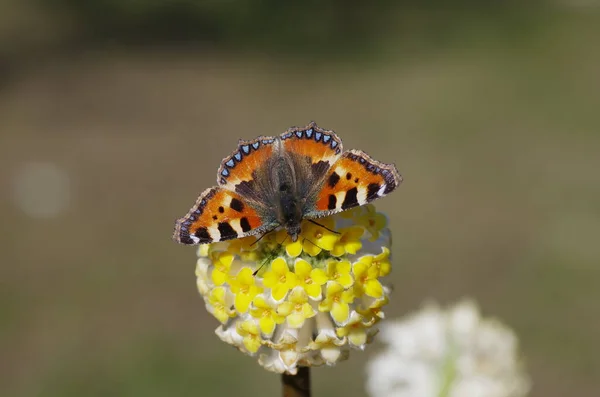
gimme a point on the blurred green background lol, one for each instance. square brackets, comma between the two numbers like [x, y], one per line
[115, 114]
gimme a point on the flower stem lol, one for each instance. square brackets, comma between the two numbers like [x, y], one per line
[296, 385]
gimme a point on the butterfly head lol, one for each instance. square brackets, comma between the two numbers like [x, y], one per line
[293, 231]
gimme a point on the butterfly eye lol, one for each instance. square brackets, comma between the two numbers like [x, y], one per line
[284, 187]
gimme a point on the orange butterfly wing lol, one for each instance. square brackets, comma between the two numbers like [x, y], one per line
[240, 165]
[240, 206]
[314, 143]
[218, 215]
[354, 179]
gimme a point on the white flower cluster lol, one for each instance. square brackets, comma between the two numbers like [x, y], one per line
[447, 353]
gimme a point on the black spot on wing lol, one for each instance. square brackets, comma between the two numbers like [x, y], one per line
[351, 199]
[245, 225]
[186, 239]
[390, 184]
[202, 234]
[221, 210]
[319, 169]
[372, 190]
[248, 190]
[332, 202]
[334, 178]
[236, 205]
[226, 231]
[245, 187]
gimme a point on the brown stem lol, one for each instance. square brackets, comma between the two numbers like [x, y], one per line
[296, 385]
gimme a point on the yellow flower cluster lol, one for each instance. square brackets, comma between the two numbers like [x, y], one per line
[300, 303]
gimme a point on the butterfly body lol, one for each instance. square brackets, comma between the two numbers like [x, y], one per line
[273, 182]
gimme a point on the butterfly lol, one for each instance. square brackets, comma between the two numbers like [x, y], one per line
[273, 182]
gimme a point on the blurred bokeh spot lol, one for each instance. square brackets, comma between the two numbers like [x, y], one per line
[41, 190]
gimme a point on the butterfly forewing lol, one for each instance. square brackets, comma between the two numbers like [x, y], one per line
[354, 179]
[315, 144]
[239, 169]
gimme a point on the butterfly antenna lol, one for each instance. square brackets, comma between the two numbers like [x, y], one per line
[286, 236]
[261, 237]
[258, 270]
[305, 239]
[257, 240]
[264, 234]
[323, 226]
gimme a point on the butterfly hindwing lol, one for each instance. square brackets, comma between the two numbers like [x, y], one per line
[218, 215]
[354, 179]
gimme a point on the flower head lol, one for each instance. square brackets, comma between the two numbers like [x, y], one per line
[302, 303]
[245, 289]
[309, 278]
[280, 279]
[337, 302]
[266, 313]
[296, 309]
[451, 352]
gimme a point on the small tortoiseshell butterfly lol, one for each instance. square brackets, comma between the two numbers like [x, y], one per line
[272, 182]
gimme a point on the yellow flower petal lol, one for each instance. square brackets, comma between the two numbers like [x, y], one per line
[313, 290]
[270, 279]
[260, 302]
[345, 280]
[242, 302]
[347, 296]
[245, 276]
[353, 247]
[302, 268]
[357, 336]
[252, 344]
[333, 289]
[308, 311]
[344, 267]
[297, 296]
[295, 320]
[294, 249]
[338, 250]
[285, 308]
[373, 288]
[203, 250]
[311, 248]
[221, 315]
[360, 268]
[218, 277]
[291, 280]
[385, 267]
[328, 241]
[340, 312]
[218, 294]
[318, 276]
[279, 266]
[325, 305]
[267, 325]
[279, 291]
